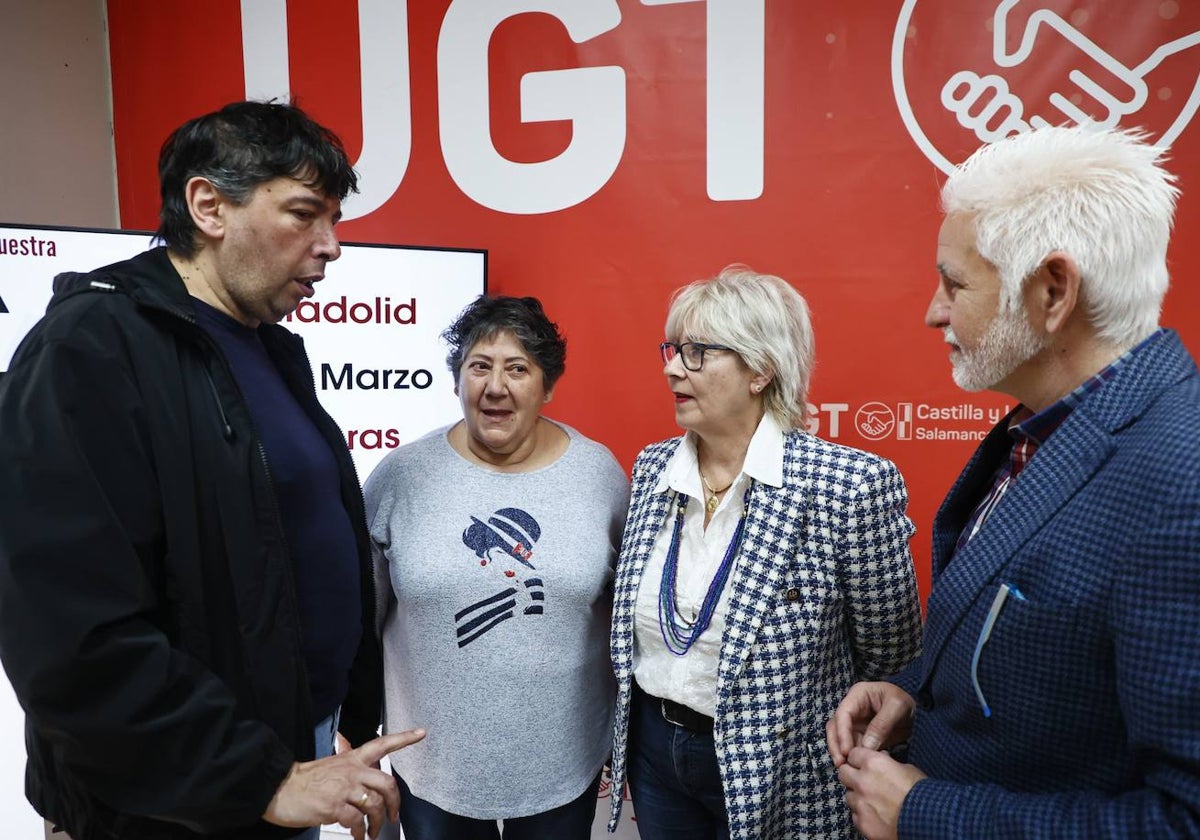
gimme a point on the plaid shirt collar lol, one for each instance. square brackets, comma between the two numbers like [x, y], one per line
[1029, 431]
[1033, 430]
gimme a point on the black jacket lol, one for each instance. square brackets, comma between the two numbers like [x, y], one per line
[147, 615]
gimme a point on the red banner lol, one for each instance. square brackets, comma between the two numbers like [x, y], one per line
[606, 152]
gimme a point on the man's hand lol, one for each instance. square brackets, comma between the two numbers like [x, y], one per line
[874, 715]
[346, 789]
[876, 786]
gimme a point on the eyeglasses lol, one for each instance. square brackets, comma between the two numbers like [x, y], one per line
[691, 353]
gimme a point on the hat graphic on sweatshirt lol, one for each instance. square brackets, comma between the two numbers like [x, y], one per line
[511, 529]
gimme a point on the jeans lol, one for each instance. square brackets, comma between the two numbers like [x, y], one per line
[425, 821]
[673, 778]
[323, 737]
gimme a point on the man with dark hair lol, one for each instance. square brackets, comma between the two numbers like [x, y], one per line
[185, 579]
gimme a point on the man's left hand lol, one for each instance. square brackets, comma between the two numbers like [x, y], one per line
[876, 785]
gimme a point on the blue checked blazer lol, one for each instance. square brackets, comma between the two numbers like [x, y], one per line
[1094, 679]
[822, 594]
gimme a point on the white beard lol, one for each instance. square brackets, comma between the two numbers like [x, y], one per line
[1008, 343]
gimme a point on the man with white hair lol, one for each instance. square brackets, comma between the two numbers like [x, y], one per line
[1057, 691]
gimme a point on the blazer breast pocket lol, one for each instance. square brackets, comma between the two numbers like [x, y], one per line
[1035, 651]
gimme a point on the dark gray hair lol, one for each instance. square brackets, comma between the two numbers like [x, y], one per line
[524, 318]
[239, 147]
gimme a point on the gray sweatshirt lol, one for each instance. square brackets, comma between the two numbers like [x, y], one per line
[496, 600]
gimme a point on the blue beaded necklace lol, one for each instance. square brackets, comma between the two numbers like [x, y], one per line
[678, 633]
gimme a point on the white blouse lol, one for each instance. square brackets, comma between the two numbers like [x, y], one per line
[691, 679]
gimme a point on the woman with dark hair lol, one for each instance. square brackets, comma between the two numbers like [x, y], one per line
[495, 541]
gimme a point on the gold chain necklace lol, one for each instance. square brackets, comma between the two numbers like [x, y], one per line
[710, 505]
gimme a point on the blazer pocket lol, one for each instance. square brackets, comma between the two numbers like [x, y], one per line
[1041, 650]
[822, 780]
[817, 749]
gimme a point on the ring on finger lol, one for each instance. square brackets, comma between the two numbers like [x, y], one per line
[361, 802]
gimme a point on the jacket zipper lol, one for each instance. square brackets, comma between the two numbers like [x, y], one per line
[215, 351]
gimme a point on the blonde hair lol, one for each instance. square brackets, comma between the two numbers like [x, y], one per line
[765, 320]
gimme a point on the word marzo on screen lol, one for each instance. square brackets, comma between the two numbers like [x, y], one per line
[373, 379]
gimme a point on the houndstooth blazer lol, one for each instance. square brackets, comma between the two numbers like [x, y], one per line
[822, 594]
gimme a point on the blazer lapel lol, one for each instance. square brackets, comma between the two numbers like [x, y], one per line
[641, 529]
[970, 486]
[645, 529]
[1063, 465]
[1066, 462]
[765, 553]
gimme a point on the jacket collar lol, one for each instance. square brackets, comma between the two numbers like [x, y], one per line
[1062, 467]
[149, 279]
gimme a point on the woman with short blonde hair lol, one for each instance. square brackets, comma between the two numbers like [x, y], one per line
[762, 571]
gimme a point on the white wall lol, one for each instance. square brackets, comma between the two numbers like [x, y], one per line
[57, 166]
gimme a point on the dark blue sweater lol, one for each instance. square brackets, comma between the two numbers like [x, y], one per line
[316, 525]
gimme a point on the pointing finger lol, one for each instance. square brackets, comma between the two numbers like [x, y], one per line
[372, 751]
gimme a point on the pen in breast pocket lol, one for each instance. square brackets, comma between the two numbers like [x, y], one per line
[1002, 594]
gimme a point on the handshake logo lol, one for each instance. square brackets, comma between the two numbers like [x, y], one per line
[875, 421]
[1039, 68]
